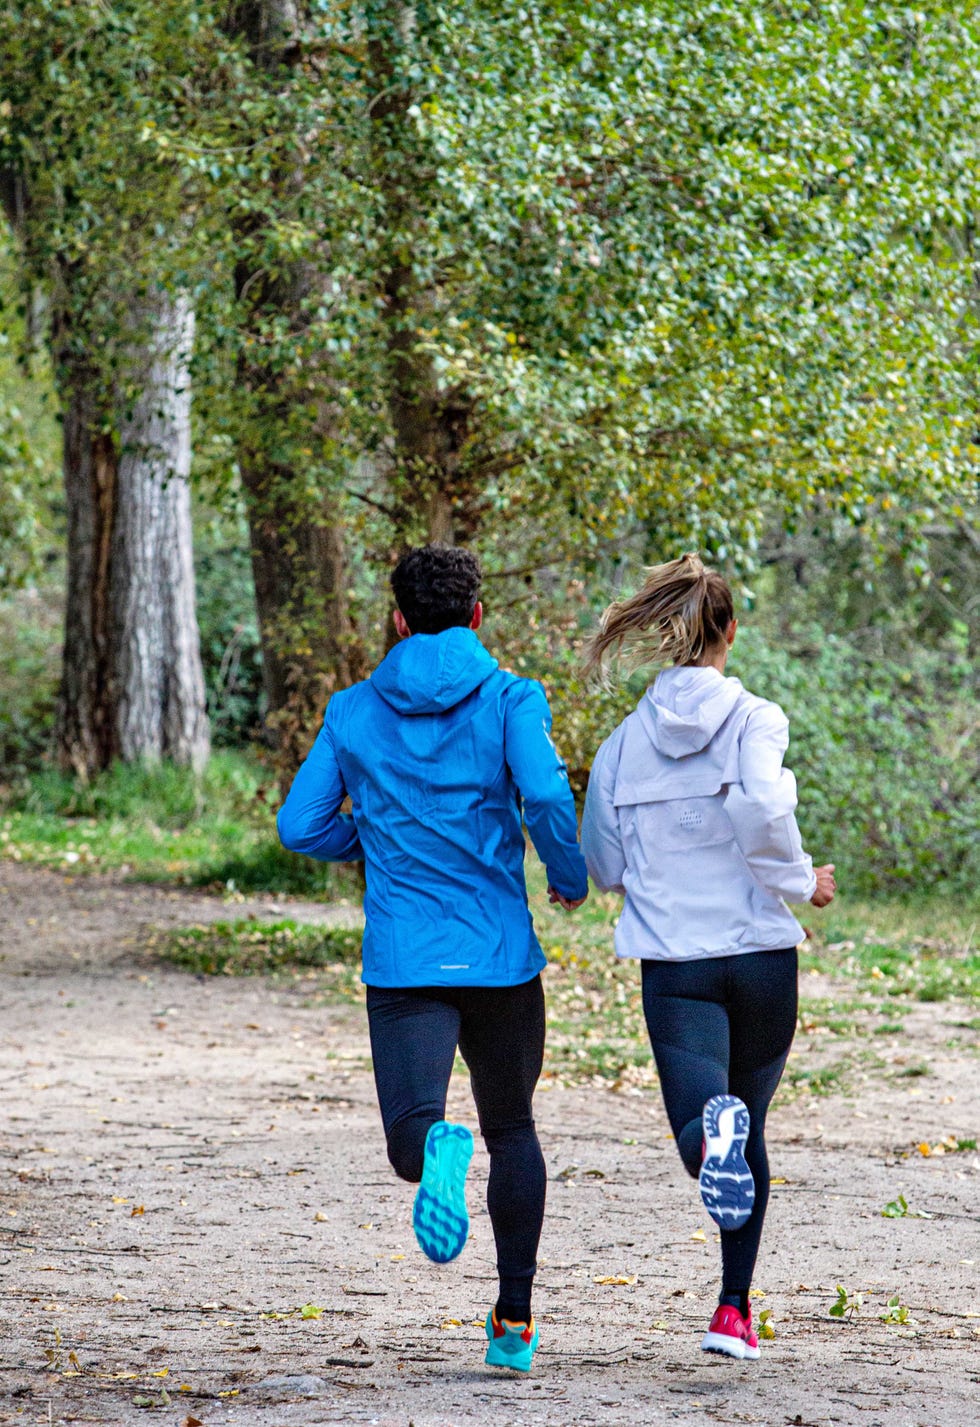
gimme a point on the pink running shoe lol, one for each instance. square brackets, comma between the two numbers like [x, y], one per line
[728, 1332]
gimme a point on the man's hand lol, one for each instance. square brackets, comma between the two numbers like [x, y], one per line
[556, 897]
[826, 886]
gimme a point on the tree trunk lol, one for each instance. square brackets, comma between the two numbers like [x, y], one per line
[85, 726]
[433, 498]
[309, 643]
[159, 680]
[132, 683]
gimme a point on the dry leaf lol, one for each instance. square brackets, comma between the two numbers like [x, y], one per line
[621, 1280]
[192, 1422]
[320, 1218]
[119, 1199]
[136, 1210]
[700, 1236]
[161, 1372]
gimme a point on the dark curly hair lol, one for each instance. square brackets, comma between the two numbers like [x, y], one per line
[436, 587]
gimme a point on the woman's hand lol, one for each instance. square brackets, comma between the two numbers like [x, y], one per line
[569, 906]
[826, 886]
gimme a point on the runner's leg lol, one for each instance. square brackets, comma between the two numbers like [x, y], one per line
[502, 1041]
[762, 1017]
[413, 1044]
[688, 1027]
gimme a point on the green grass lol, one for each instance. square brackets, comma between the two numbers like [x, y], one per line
[250, 948]
[164, 824]
[596, 1030]
[907, 951]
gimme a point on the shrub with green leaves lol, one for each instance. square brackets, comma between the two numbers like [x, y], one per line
[881, 752]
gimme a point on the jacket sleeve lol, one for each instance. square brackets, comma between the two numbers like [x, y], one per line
[761, 808]
[310, 820]
[601, 840]
[542, 780]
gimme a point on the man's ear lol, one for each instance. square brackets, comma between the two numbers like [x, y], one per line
[476, 619]
[401, 625]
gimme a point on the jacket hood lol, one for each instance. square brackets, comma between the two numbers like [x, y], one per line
[429, 673]
[685, 707]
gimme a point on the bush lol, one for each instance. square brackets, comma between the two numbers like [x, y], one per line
[880, 748]
[30, 667]
[881, 752]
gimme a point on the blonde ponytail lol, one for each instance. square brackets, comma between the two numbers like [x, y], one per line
[681, 611]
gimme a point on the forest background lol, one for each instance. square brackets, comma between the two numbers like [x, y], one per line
[288, 286]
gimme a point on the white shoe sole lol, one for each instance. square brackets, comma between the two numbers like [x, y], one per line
[731, 1347]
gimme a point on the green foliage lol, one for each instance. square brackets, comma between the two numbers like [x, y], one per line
[162, 823]
[881, 753]
[230, 647]
[846, 1305]
[899, 1209]
[896, 1312]
[29, 443]
[253, 948]
[30, 650]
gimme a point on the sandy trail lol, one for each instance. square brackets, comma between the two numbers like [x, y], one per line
[186, 1163]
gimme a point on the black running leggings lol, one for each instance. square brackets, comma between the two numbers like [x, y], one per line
[500, 1034]
[723, 1024]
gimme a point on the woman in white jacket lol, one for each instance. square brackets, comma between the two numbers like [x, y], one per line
[690, 815]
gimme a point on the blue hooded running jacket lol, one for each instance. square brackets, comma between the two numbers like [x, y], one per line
[437, 750]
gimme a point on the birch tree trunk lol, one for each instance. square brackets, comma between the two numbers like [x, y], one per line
[132, 681]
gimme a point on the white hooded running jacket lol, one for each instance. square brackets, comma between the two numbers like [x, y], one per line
[690, 814]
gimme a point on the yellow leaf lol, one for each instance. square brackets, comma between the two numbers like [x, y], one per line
[229, 1392]
[621, 1280]
[136, 1209]
[397, 1258]
[161, 1372]
[925, 1149]
[452, 1323]
[119, 1199]
[700, 1236]
[779, 1181]
[119, 1298]
[319, 1217]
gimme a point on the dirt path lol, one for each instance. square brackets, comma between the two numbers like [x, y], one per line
[185, 1163]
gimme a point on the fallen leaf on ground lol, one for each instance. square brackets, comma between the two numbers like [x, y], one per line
[621, 1280]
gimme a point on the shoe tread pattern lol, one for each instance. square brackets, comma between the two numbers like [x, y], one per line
[439, 1218]
[726, 1183]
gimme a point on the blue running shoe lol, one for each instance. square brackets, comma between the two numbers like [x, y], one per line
[726, 1183]
[439, 1218]
[511, 1345]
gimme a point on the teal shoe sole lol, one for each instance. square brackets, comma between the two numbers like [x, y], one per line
[439, 1218]
[510, 1350]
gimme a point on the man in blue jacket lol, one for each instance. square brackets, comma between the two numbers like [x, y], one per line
[439, 752]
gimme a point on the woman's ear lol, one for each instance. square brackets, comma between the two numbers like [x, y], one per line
[730, 632]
